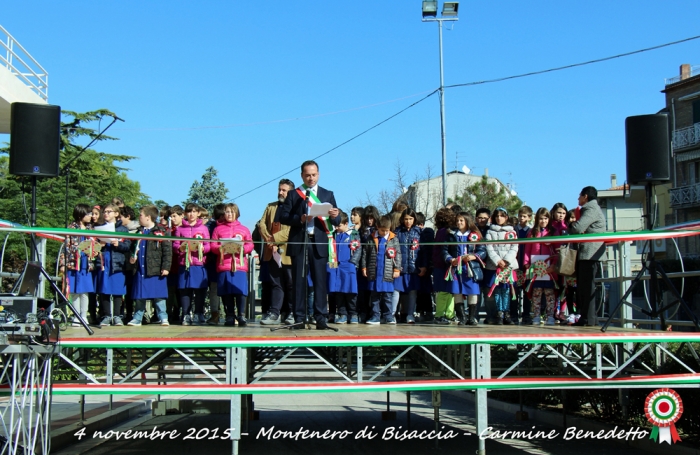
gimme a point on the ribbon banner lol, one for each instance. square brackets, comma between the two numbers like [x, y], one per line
[663, 408]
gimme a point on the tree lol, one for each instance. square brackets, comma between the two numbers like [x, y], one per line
[490, 194]
[95, 178]
[209, 192]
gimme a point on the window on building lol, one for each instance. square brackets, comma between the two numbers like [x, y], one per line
[696, 111]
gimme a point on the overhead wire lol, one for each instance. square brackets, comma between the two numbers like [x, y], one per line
[339, 145]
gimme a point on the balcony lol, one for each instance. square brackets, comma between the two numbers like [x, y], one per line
[22, 78]
[685, 196]
[686, 137]
[694, 71]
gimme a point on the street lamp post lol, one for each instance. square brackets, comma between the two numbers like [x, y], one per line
[449, 14]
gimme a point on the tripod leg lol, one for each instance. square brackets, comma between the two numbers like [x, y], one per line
[677, 295]
[623, 299]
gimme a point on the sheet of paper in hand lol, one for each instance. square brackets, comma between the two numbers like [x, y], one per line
[320, 209]
[109, 227]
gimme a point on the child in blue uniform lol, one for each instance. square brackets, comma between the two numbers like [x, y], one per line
[381, 264]
[111, 281]
[153, 260]
[77, 265]
[342, 280]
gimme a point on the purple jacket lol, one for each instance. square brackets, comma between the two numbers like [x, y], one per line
[199, 230]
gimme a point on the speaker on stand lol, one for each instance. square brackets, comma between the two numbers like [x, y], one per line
[648, 163]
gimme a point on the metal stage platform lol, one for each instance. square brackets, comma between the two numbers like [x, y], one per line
[236, 362]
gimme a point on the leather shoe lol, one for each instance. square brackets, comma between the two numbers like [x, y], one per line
[321, 324]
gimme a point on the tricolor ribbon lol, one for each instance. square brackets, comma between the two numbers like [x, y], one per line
[327, 226]
[504, 276]
[663, 408]
[538, 269]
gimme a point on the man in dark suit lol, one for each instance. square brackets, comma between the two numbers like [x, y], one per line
[294, 214]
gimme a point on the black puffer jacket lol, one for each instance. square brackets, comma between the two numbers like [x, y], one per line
[119, 252]
[159, 254]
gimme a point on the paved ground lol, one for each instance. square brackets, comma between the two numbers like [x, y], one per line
[350, 413]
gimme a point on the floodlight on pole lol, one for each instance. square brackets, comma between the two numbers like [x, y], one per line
[449, 13]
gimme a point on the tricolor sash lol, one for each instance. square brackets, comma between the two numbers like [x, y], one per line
[327, 226]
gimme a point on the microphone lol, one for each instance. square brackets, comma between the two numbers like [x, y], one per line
[308, 194]
[116, 118]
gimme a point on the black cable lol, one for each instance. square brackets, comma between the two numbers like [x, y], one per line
[275, 179]
[534, 73]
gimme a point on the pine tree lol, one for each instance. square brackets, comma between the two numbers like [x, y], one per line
[489, 194]
[209, 192]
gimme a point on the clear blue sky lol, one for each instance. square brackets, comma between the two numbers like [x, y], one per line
[207, 83]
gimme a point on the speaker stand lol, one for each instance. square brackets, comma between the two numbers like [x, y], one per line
[655, 270]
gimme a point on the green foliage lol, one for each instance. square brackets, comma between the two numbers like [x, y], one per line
[485, 193]
[94, 178]
[209, 192]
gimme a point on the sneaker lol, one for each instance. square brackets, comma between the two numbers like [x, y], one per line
[117, 321]
[374, 320]
[410, 319]
[134, 323]
[442, 320]
[230, 321]
[289, 320]
[388, 320]
[242, 321]
[342, 319]
[550, 321]
[354, 319]
[536, 320]
[428, 317]
[164, 323]
[270, 319]
[201, 320]
[106, 321]
[187, 320]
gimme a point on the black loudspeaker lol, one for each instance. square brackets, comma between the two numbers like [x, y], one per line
[34, 139]
[648, 153]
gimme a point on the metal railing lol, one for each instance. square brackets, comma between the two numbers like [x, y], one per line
[686, 137]
[23, 65]
[694, 71]
[685, 195]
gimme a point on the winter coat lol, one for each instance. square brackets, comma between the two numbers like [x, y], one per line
[71, 252]
[437, 261]
[591, 221]
[191, 232]
[119, 252]
[230, 230]
[523, 232]
[159, 253]
[452, 249]
[410, 248]
[270, 226]
[506, 251]
[369, 257]
[425, 252]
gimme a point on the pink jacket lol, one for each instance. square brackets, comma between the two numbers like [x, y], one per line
[538, 248]
[226, 230]
[198, 230]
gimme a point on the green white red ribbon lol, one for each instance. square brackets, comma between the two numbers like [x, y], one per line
[506, 275]
[327, 226]
[663, 408]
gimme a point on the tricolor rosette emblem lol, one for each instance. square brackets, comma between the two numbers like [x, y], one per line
[414, 245]
[473, 237]
[663, 408]
[510, 235]
[391, 253]
[354, 245]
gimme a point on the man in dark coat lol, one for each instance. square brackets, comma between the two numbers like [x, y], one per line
[294, 214]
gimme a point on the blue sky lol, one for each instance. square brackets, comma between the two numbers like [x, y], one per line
[208, 83]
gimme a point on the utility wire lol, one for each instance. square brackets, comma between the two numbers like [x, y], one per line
[340, 145]
[534, 73]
